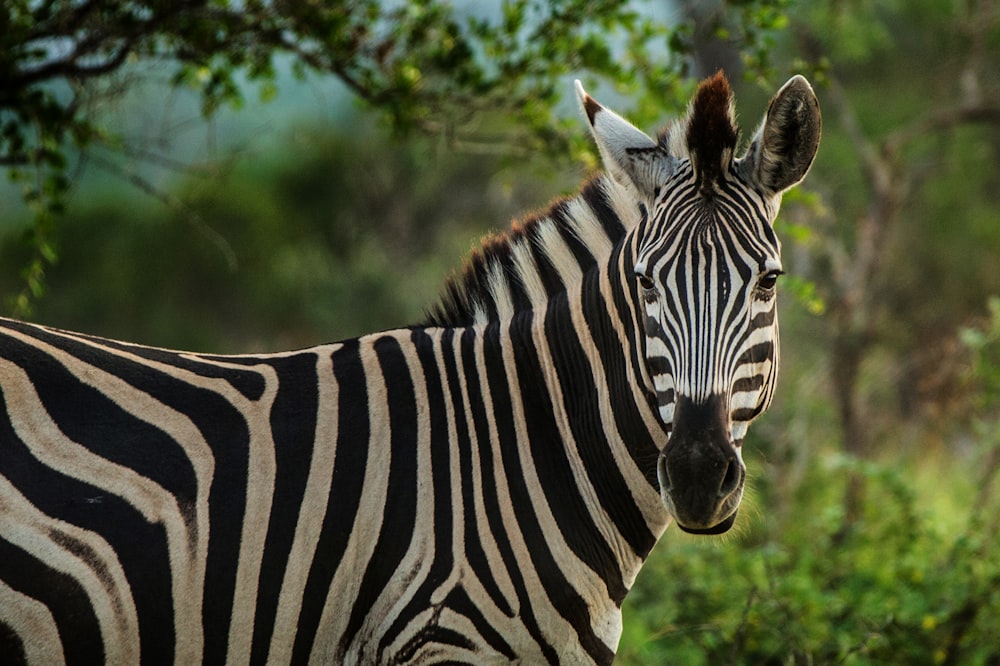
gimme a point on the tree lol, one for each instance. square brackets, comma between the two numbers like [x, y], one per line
[425, 65]
[347, 232]
[888, 285]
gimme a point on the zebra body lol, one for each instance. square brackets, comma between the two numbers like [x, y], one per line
[482, 489]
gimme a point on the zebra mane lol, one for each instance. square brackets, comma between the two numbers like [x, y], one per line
[711, 131]
[539, 256]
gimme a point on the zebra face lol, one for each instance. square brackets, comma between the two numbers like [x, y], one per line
[706, 277]
[706, 264]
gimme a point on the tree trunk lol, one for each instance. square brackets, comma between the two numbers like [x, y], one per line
[847, 355]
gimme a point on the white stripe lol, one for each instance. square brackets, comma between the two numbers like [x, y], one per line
[32, 622]
[559, 254]
[108, 592]
[500, 292]
[527, 271]
[367, 521]
[315, 502]
[49, 446]
[588, 229]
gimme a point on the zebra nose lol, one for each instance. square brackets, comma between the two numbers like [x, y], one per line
[700, 471]
[731, 480]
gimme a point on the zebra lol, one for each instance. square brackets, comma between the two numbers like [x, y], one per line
[482, 487]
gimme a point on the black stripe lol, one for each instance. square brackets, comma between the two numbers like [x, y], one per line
[74, 617]
[550, 461]
[757, 353]
[436, 399]
[499, 262]
[658, 365]
[474, 553]
[353, 429]
[440, 477]
[548, 272]
[249, 383]
[594, 195]
[746, 414]
[582, 405]
[620, 504]
[567, 229]
[459, 601]
[474, 398]
[140, 546]
[11, 646]
[432, 635]
[630, 423]
[747, 384]
[293, 426]
[500, 391]
[764, 319]
[401, 501]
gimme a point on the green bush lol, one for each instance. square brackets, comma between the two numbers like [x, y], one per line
[893, 588]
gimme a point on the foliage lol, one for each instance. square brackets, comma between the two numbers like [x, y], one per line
[425, 64]
[316, 241]
[898, 251]
[984, 342]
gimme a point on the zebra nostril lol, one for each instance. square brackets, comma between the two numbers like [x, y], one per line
[662, 475]
[731, 481]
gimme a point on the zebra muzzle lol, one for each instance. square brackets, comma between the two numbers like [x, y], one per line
[700, 470]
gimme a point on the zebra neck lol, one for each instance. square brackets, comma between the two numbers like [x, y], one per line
[578, 388]
[538, 259]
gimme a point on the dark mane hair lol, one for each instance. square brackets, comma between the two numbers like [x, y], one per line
[711, 131]
[570, 236]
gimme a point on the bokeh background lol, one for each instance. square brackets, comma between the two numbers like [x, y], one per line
[243, 177]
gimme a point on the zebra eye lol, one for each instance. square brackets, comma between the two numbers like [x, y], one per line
[646, 282]
[769, 280]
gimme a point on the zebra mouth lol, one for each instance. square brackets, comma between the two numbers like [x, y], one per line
[700, 471]
[720, 528]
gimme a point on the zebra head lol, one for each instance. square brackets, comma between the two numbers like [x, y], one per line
[705, 262]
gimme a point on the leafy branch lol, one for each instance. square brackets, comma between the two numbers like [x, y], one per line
[425, 65]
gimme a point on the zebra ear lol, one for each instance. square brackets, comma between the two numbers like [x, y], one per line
[783, 148]
[629, 154]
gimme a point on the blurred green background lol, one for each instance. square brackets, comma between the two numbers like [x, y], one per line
[267, 201]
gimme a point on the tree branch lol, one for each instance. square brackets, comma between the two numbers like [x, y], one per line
[942, 120]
